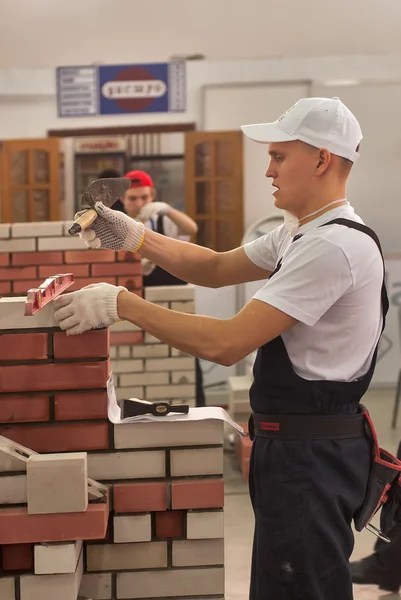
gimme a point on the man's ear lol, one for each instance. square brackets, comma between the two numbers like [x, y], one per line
[324, 161]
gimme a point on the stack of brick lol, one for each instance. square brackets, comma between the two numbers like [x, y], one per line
[164, 536]
[143, 367]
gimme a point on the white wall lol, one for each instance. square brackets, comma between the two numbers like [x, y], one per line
[54, 32]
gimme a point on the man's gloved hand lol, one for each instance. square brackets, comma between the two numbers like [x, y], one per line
[91, 307]
[113, 230]
[152, 209]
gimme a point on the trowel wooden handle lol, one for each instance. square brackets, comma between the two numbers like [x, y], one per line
[83, 222]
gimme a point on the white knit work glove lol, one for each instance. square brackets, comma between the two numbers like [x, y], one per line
[112, 230]
[91, 307]
[152, 209]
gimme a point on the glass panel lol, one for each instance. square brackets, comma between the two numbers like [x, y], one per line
[224, 158]
[225, 235]
[19, 167]
[203, 167]
[41, 168]
[168, 175]
[41, 205]
[204, 235]
[20, 206]
[225, 197]
[203, 198]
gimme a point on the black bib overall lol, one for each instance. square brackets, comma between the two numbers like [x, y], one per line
[305, 492]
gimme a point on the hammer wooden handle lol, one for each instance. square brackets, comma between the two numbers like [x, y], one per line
[83, 222]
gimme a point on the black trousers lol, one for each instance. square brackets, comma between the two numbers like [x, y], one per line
[304, 495]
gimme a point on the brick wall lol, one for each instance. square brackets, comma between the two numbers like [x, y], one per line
[143, 367]
[159, 531]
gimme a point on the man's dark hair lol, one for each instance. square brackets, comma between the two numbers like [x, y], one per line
[108, 174]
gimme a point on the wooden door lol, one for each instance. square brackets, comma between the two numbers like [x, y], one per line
[214, 187]
[30, 180]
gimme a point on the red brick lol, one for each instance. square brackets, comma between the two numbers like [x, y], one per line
[91, 344]
[17, 557]
[61, 437]
[81, 282]
[126, 256]
[37, 258]
[170, 524]
[78, 406]
[132, 268]
[76, 270]
[23, 346]
[140, 497]
[4, 260]
[5, 287]
[21, 287]
[126, 337]
[17, 527]
[54, 377]
[24, 409]
[90, 256]
[11, 273]
[201, 493]
[131, 283]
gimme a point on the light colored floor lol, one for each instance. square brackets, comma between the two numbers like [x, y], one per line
[239, 518]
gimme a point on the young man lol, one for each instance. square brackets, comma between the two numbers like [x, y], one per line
[316, 324]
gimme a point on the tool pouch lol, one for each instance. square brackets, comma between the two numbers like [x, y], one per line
[383, 489]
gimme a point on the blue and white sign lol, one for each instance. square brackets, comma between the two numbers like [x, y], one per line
[120, 89]
[77, 91]
[159, 87]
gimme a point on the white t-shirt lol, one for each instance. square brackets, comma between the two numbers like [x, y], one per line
[330, 281]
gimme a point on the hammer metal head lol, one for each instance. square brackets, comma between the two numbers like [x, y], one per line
[107, 191]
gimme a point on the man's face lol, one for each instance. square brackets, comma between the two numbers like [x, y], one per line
[292, 169]
[136, 198]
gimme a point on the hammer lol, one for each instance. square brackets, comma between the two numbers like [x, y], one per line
[107, 190]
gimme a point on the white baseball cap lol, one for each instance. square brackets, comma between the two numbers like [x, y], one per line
[320, 122]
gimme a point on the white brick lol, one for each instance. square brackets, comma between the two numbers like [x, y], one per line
[191, 402]
[43, 229]
[57, 483]
[169, 583]
[13, 489]
[113, 352]
[127, 465]
[120, 557]
[193, 553]
[121, 326]
[52, 587]
[137, 528]
[162, 434]
[184, 307]
[125, 393]
[10, 464]
[7, 588]
[148, 338]
[144, 379]
[175, 352]
[123, 351]
[127, 366]
[205, 525]
[169, 364]
[96, 586]
[12, 315]
[206, 461]
[53, 559]
[4, 231]
[162, 392]
[162, 304]
[61, 243]
[167, 293]
[183, 377]
[150, 351]
[16, 245]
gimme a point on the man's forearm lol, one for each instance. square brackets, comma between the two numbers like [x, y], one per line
[185, 224]
[197, 335]
[186, 261]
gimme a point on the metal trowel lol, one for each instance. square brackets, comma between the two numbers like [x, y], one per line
[107, 191]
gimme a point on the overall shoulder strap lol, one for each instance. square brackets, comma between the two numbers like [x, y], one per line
[160, 224]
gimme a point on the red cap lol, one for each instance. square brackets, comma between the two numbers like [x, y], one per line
[139, 179]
